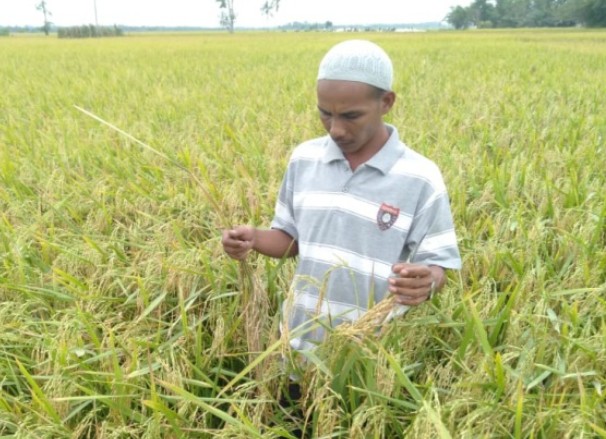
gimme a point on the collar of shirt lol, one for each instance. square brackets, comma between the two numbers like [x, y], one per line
[383, 160]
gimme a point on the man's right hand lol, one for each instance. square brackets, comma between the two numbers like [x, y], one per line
[239, 241]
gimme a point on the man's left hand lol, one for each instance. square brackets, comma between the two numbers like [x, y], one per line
[413, 284]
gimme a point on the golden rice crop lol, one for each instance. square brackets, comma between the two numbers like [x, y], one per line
[121, 317]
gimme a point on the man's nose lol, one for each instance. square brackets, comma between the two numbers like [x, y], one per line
[337, 129]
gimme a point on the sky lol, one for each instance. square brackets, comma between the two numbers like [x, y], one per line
[205, 13]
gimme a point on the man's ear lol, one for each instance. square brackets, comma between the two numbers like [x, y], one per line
[387, 101]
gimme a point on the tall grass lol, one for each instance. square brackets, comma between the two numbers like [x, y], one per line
[121, 317]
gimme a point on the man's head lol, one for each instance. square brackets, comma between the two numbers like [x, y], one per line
[354, 92]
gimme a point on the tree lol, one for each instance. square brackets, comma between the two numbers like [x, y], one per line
[458, 17]
[270, 6]
[482, 13]
[529, 13]
[513, 13]
[591, 13]
[228, 14]
[542, 13]
[47, 23]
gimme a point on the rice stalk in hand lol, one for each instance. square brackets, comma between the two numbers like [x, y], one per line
[379, 315]
[371, 320]
[255, 310]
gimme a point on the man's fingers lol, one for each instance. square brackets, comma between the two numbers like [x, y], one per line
[236, 246]
[404, 290]
[409, 283]
[411, 270]
[410, 291]
[236, 234]
[237, 242]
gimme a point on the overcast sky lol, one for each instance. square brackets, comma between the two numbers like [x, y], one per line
[205, 12]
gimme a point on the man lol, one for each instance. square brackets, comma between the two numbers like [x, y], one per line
[365, 214]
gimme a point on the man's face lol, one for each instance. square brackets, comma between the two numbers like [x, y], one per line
[352, 114]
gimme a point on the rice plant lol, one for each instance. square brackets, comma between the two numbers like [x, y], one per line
[121, 316]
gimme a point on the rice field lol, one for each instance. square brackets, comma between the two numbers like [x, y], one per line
[120, 316]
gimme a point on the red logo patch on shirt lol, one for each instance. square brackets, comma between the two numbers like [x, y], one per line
[387, 216]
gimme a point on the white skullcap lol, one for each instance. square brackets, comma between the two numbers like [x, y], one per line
[360, 61]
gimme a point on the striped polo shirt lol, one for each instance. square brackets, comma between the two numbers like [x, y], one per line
[351, 227]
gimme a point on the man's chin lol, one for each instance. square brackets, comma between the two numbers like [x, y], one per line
[347, 147]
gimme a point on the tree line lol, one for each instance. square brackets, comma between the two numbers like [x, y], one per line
[528, 13]
[89, 31]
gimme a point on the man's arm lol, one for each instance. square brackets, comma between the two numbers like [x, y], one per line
[275, 243]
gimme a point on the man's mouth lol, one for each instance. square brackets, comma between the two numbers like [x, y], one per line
[343, 144]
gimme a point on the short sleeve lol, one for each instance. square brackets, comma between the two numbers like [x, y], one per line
[432, 239]
[284, 216]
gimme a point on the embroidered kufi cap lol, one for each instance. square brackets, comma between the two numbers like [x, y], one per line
[360, 61]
